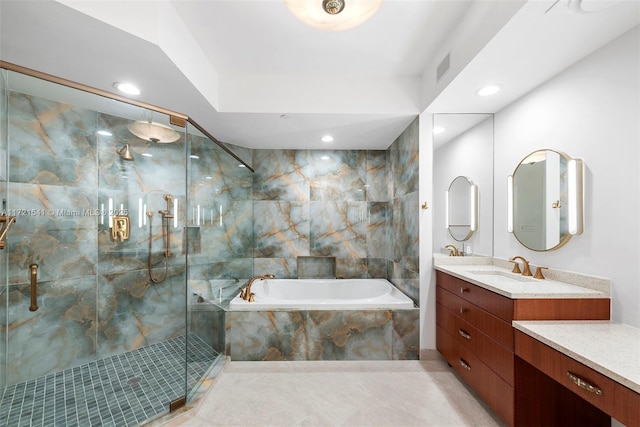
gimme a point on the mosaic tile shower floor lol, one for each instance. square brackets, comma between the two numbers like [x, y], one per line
[121, 390]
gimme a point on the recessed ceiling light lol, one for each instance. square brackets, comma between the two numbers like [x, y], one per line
[128, 88]
[327, 138]
[438, 129]
[488, 90]
[104, 133]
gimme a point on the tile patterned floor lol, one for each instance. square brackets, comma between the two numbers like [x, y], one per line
[121, 390]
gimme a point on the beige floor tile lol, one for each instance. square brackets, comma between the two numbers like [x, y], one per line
[339, 393]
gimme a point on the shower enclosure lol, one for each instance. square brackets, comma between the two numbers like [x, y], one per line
[128, 242]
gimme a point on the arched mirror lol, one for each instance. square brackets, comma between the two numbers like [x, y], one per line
[462, 208]
[545, 200]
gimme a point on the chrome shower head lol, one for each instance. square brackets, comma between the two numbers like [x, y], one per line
[125, 153]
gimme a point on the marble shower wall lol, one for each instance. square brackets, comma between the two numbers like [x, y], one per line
[360, 207]
[94, 294]
[404, 179]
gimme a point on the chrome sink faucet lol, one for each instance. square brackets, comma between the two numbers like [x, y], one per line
[246, 293]
[526, 271]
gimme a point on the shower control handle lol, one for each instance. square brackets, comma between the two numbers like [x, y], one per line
[34, 287]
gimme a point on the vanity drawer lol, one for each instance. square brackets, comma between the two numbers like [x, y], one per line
[496, 392]
[493, 326]
[495, 356]
[461, 332]
[595, 388]
[498, 305]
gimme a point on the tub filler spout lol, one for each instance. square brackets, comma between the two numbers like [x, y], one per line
[246, 294]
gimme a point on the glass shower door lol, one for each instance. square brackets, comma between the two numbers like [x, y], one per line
[100, 217]
[219, 235]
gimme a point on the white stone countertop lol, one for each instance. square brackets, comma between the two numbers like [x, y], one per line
[502, 281]
[612, 349]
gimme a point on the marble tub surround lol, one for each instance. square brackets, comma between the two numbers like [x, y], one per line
[316, 267]
[612, 349]
[557, 284]
[323, 335]
[356, 206]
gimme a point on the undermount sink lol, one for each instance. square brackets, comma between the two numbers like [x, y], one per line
[501, 274]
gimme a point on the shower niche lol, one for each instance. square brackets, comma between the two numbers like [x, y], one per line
[107, 194]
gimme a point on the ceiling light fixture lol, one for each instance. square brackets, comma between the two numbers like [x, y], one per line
[333, 15]
[128, 88]
[488, 90]
[153, 132]
[327, 138]
[333, 7]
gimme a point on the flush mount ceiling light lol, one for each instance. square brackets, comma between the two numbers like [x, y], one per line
[153, 132]
[128, 88]
[488, 90]
[333, 15]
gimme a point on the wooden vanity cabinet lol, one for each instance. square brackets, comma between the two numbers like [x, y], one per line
[475, 336]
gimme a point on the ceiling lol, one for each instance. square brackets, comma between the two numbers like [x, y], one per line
[253, 75]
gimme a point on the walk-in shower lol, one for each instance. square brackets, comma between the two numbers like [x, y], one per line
[118, 336]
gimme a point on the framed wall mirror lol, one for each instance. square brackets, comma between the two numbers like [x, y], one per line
[545, 200]
[461, 202]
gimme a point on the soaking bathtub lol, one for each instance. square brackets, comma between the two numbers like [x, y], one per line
[322, 294]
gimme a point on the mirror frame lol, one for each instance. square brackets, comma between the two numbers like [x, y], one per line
[473, 208]
[575, 199]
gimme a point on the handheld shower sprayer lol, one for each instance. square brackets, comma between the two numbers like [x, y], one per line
[166, 237]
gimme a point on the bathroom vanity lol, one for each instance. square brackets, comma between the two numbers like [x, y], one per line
[598, 361]
[475, 308]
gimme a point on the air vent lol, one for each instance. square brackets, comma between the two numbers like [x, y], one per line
[443, 67]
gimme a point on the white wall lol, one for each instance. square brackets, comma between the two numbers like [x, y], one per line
[470, 155]
[427, 273]
[590, 111]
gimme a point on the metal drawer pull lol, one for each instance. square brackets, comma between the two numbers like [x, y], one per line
[463, 290]
[464, 334]
[583, 384]
[465, 365]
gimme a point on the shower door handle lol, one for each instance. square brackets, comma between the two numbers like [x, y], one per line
[34, 287]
